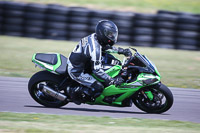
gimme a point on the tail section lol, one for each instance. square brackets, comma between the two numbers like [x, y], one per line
[51, 62]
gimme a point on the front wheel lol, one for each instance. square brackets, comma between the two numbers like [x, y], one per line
[161, 102]
[49, 79]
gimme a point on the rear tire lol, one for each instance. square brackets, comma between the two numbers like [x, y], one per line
[48, 78]
[156, 105]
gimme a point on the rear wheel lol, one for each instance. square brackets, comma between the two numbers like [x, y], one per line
[49, 79]
[161, 102]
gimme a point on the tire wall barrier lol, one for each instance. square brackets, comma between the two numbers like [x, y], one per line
[166, 29]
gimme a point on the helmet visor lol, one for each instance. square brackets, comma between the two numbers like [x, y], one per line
[111, 34]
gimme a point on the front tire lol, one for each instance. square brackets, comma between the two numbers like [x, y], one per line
[49, 79]
[162, 101]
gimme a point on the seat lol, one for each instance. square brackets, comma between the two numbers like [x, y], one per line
[62, 69]
[47, 58]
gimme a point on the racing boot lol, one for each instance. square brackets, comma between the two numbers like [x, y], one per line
[97, 89]
[75, 94]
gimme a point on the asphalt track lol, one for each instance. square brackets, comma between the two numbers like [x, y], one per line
[14, 97]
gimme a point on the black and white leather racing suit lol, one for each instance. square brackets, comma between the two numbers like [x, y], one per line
[86, 57]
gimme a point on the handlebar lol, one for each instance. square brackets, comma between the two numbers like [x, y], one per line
[125, 64]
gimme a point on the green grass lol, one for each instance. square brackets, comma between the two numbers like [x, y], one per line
[145, 6]
[178, 68]
[18, 122]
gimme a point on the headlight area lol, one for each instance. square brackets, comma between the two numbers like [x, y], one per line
[150, 81]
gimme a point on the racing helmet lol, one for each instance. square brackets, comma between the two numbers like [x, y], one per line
[106, 32]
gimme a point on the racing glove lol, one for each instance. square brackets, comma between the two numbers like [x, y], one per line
[118, 81]
[125, 52]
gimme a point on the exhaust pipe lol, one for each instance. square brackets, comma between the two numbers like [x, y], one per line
[49, 91]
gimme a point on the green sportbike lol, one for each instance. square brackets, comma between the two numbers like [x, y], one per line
[142, 83]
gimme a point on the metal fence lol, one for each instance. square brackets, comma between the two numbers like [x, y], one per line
[165, 29]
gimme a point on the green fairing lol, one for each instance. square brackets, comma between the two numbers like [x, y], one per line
[112, 90]
[126, 90]
[114, 71]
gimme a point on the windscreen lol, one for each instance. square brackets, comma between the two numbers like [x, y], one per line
[144, 62]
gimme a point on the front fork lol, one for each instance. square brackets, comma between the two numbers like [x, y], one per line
[148, 94]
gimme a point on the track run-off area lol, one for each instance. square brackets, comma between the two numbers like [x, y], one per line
[14, 97]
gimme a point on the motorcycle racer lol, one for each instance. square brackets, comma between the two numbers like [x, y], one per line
[87, 57]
